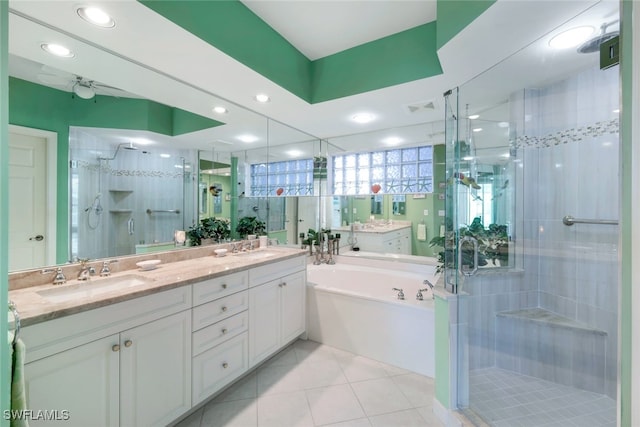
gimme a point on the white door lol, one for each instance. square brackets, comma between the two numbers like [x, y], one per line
[82, 381]
[291, 220]
[27, 202]
[307, 214]
[155, 371]
[264, 307]
[292, 294]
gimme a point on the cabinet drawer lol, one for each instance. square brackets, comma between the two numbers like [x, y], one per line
[218, 287]
[218, 366]
[212, 335]
[215, 311]
[266, 273]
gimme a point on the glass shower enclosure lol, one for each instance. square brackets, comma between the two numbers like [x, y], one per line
[531, 246]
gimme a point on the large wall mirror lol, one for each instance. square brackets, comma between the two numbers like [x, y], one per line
[124, 166]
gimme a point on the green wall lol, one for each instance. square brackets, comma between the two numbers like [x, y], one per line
[235, 30]
[442, 356]
[35, 106]
[455, 15]
[5, 359]
[626, 212]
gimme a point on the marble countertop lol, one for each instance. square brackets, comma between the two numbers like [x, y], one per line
[35, 305]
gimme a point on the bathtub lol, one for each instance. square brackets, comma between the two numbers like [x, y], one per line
[351, 306]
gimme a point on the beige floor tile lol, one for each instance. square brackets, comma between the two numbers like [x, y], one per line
[408, 418]
[284, 410]
[380, 396]
[238, 413]
[246, 388]
[278, 379]
[334, 404]
[417, 388]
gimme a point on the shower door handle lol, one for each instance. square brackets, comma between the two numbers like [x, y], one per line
[37, 238]
[461, 268]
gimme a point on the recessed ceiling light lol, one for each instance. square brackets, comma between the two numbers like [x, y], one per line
[363, 118]
[571, 38]
[261, 97]
[96, 16]
[392, 140]
[294, 153]
[617, 110]
[247, 138]
[503, 124]
[219, 109]
[477, 129]
[474, 116]
[467, 158]
[165, 156]
[57, 50]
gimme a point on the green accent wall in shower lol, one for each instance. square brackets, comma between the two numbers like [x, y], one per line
[5, 359]
[36, 106]
[627, 112]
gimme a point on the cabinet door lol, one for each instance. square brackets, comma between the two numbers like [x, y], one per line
[292, 294]
[155, 371]
[264, 320]
[82, 380]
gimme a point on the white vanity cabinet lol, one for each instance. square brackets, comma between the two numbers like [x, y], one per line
[127, 364]
[393, 242]
[276, 307]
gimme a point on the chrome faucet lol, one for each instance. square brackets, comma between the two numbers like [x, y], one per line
[106, 271]
[400, 292]
[85, 271]
[419, 296]
[59, 278]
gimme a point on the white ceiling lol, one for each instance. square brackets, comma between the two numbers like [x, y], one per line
[322, 28]
[149, 56]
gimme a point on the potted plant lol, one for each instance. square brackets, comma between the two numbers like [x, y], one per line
[209, 229]
[493, 245]
[250, 225]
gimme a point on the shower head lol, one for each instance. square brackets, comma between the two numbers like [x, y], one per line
[593, 45]
[125, 145]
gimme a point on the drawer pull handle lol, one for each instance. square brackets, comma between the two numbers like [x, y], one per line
[224, 286]
[224, 331]
[128, 343]
[225, 365]
[224, 308]
[115, 347]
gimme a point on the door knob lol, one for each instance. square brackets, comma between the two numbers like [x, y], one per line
[38, 238]
[115, 347]
[128, 343]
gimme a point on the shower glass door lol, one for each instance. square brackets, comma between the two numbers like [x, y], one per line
[537, 293]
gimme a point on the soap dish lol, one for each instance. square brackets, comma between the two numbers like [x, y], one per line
[148, 264]
[220, 252]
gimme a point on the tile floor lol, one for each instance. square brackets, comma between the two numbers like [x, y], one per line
[507, 399]
[310, 384]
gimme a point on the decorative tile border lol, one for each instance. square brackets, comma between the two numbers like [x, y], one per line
[93, 167]
[570, 135]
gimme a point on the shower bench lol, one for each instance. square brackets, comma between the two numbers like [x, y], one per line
[562, 350]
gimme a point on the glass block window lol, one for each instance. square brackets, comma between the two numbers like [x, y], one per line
[294, 177]
[397, 171]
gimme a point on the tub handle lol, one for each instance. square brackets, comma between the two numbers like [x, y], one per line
[400, 292]
[474, 242]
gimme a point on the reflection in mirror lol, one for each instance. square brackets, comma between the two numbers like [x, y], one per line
[124, 195]
[376, 204]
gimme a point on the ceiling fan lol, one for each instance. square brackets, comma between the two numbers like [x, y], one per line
[80, 86]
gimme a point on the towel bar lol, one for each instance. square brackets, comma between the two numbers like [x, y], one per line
[16, 321]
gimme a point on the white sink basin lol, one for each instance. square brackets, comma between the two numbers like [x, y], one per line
[256, 254]
[93, 287]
